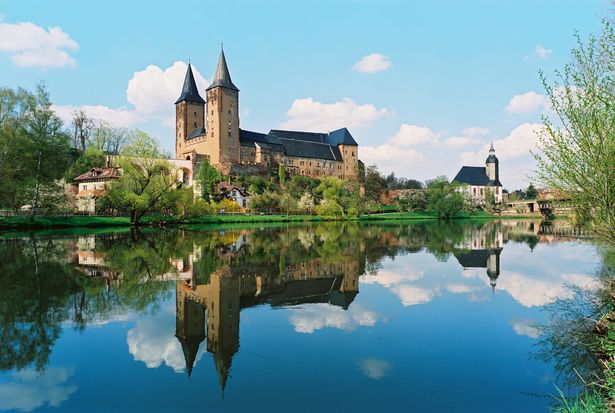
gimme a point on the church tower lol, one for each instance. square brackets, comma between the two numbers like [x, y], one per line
[223, 118]
[189, 113]
[492, 166]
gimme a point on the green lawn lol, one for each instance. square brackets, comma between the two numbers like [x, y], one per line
[48, 222]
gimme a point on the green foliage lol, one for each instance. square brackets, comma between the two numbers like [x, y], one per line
[531, 192]
[374, 183]
[303, 184]
[411, 200]
[444, 199]
[577, 150]
[208, 179]
[268, 201]
[34, 150]
[147, 181]
[93, 157]
[281, 175]
[306, 203]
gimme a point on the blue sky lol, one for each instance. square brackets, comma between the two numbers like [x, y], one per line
[438, 80]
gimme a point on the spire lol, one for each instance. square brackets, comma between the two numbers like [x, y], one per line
[189, 90]
[491, 158]
[223, 361]
[190, 348]
[222, 78]
[491, 150]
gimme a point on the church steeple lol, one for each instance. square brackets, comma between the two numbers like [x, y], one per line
[189, 91]
[222, 78]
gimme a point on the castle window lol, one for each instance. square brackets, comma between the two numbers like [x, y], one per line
[195, 124]
[195, 114]
[352, 153]
[212, 112]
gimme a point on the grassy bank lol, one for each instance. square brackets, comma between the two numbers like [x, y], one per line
[49, 222]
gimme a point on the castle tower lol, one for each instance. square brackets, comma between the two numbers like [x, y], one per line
[492, 166]
[189, 112]
[223, 118]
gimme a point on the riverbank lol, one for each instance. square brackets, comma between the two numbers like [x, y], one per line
[50, 222]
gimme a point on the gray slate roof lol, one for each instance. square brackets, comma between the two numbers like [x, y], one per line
[189, 90]
[475, 175]
[222, 78]
[300, 144]
[196, 133]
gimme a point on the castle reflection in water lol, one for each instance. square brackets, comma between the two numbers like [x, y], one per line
[215, 281]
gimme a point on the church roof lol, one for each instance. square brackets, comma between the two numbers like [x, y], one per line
[189, 90]
[222, 78]
[475, 175]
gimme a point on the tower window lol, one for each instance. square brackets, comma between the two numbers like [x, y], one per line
[195, 114]
[212, 112]
[195, 124]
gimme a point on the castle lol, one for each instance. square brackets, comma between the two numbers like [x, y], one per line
[209, 129]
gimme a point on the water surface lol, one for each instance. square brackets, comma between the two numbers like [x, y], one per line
[333, 317]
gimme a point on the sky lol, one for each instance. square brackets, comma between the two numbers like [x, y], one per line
[423, 86]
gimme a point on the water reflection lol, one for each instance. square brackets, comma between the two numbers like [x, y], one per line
[48, 284]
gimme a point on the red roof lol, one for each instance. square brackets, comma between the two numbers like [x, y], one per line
[99, 173]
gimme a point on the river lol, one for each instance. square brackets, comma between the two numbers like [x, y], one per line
[425, 316]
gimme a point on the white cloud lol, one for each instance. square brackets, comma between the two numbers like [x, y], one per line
[310, 115]
[153, 342]
[540, 52]
[518, 143]
[374, 368]
[411, 295]
[372, 63]
[459, 289]
[475, 131]
[30, 389]
[154, 90]
[389, 153]
[387, 278]
[32, 45]
[121, 117]
[152, 93]
[461, 141]
[526, 328]
[318, 316]
[526, 103]
[409, 135]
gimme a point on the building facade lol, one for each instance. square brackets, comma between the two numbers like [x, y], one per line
[210, 128]
[478, 182]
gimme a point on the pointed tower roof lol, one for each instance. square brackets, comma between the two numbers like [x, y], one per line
[222, 78]
[190, 348]
[189, 90]
[491, 158]
[223, 362]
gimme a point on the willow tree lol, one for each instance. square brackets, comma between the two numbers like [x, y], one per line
[577, 144]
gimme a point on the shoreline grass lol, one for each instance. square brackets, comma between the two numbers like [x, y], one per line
[58, 222]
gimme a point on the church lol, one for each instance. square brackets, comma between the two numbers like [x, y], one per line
[209, 129]
[478, 181]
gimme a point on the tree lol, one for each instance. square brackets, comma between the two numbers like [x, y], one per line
[33, 149]
[49, 144]
[281, 175]
[208, 179]
[112, 140]
[146, 179]
[306, 203]
[444, 198]
[374, 183]
[287, 202]
[82, 126]
[93, 157]
[268, 201]
[577, 149]
[531, 192]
